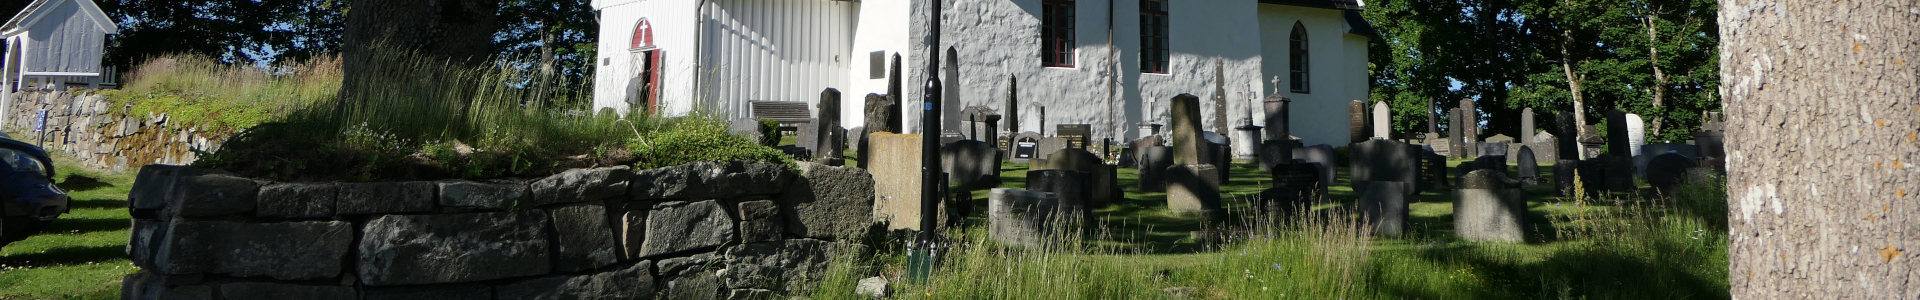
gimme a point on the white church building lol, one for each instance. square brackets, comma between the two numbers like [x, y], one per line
[1108, 63]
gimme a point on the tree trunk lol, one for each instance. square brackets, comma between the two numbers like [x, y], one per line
[1659, 76]
[1822, 112]
[1573, 86]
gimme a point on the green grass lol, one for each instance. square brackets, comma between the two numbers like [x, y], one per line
[1620, 246]
[81, 255]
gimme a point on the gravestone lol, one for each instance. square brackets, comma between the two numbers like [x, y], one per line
[1617, 143]
[1529, 167]
[1433, 171]
[1546, 147]
[982, 123]
[1013, 104]
[895, 95]
[1102, 176]
[1526, 125]
[1712, 136]
[1138, 146]
[1384, 161]
[1278, 127]
[896, 176]
[883, 114]
[1470, 125]
[1303, 179]
[1246, 140]
[1128, 158]
[1636, 133]
[1020, 217]
[1667, 171]
[1076, 136]
[829, 146]
[1491, 148]
[1322, 156]
[1382, 121]
[1185, 116]
[1489, 207]
[1273, 152]
[1154, 161]
[1217, 151]
[1456, 135]
[806, 137]
[1193, 189]
[1619, 173]
[970, 165]
[1563, 173]
[1383, 204]
[1049, 146]
[1649, 151]
[1026, 146]
[1074, 190]
[1357, 127]
[1568, 144]
[951, 135]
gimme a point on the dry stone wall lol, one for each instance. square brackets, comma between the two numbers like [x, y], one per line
[86, 126]
[695, 231]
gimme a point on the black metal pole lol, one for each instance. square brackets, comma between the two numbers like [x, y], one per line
[932, 180]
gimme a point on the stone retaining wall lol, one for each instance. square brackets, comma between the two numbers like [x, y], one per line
[85, 126]
[695, 231]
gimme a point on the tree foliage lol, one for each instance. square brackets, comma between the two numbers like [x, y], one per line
[1656, 58]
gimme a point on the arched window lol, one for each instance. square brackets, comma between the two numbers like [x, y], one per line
[642, 35]
[1297, 58]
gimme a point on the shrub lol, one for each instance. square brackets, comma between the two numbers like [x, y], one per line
[698, 138]
[769, 133]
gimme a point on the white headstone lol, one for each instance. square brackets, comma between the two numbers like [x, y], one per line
[1381, 117]
[1636, 133]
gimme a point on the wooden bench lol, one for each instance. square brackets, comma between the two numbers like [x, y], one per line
[790, 114]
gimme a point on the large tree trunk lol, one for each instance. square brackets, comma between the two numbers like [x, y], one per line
[1659, 76]
[1573, 86]
[1822, 110]
[460, 30]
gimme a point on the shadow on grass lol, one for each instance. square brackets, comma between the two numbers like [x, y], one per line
[81, 183]
[62, 256]
[97, 203]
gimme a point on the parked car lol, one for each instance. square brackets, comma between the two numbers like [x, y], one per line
[28, 199]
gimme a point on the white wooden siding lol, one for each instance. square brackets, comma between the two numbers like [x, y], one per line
[780, 50]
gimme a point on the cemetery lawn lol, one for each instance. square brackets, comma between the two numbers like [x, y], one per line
[81, 255]
[1618, 246]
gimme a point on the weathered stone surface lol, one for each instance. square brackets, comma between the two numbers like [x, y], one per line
[285, 251]
[1072, 189]
[1489, 207]
[1382, 121]
[1154, 162]
[1667, 171]
[1273, 152]
[1278, 114]
[896, 175]
[1358, 129]
[430, 249]
[1020, 217]
[1383, 160]
[476, 195]
[970, 164]
[1048, 146]
[1384, 205]
[582, 238]
[882, 114]
[200, 193]
[152, 188]
[875, 287]
[789, 266]
[760, 221]
[432, 292]
[1617, 141]
[1302, 178]
[1563, 175]
[148, 286]
[268, 290]
[1193, 189]
[632, 230]
[297, 200]
[384, 198]
[1185, 129]
[702, 285]
[1529, 169]
[633, 282]
[835, 203]
[685, 226]
[1321, 156]
[579, 185]
[710, 180]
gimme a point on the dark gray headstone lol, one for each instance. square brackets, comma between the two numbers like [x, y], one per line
[1712, 143]
[1193, 189]
[1563, 173]
[1077, 136]
[1357, 127]
[1049, 146]
[1384, 206]
[970, 165]
[1456, 136]
[1020, 217]
[882, 114]
[1321, 156]
[1186, 133]
[1489, 207]
[1139, 145]
[1383, 160]
[1529, 168]
[1026, 146]
[1649, 151]
[1526, 125]
[1274, 152]
[1013, 104]
[1277, 115]
[831, 139]
[1617, 141]
[1074, 189]
[1154, 161]
[892, 117]
[1303, 179]
[1494, 148]
[1667, 171]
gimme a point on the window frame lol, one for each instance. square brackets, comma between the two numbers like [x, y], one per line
[1299, 60]
[1155, 52]
[1057, 33]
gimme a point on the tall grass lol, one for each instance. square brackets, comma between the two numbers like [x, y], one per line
[196, 91]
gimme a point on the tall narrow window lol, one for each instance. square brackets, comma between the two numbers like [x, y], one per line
[1056, 33]
[1297, 59]
[1153, 36]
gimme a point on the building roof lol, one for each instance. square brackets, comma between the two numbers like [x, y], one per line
[1328, 4]
[39, 9]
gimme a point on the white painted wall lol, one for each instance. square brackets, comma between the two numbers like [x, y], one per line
[1339, 69]
[674, 29]
[883, 26]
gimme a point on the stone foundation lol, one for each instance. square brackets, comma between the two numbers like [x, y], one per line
[89, 128]
[701, 230]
